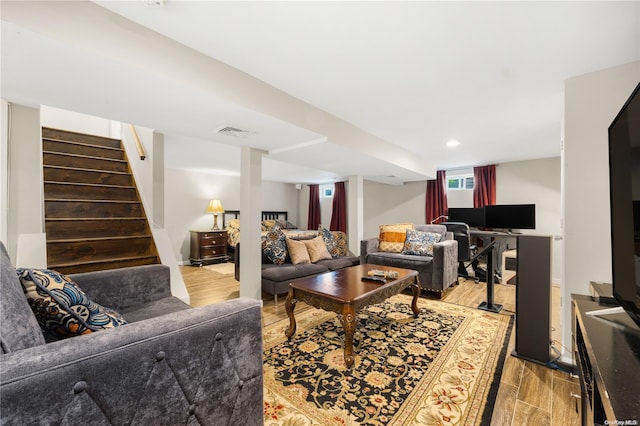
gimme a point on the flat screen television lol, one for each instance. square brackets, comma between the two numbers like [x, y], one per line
[471, 216]
[510, 216]
[624, 191]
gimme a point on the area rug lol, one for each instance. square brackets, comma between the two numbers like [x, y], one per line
[221, 268]
[442, 368]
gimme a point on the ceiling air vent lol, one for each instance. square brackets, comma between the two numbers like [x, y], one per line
[232, 131]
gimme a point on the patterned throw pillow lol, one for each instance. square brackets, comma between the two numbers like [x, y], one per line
[340, 239]
[329, 242]
[420, 243]
[392, 237]
[298, 251]
[61, 307]
[274, 245]
[317, 249]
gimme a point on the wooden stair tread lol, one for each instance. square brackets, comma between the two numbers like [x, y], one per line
[81, 240]
[79, 169]
[96, 261]
[81, 200]
[88, 219]
[88, 145]
[48, 131]
[92, 157]
[101, 185]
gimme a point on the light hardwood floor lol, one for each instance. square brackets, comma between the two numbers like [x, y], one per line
[529, 393]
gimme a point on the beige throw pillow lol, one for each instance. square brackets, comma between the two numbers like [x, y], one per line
[392, 237]
[317, 249]
[298, 251]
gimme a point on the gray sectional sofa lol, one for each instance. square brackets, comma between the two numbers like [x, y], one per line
[436, 273]
[170, 364]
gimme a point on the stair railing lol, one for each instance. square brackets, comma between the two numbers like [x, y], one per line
[139, 146]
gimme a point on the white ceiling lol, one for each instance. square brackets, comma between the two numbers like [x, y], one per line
[414, 74]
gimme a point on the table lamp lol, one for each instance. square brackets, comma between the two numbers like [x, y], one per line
[215, 207]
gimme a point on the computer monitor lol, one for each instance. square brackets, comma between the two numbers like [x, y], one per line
[510, 216]
[472, 217]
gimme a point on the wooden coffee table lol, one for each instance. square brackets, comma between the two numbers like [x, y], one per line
[345, 292]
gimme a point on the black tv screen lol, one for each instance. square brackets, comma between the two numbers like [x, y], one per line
[472, 217]
[624, 192]
[510, 216]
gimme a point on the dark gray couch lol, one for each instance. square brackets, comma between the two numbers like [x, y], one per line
[276, 278]
[436, 273]
[170, 365]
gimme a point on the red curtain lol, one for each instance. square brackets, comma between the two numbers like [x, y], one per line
[339, 211]
[484, 186]
[314, 207]
[437, 198]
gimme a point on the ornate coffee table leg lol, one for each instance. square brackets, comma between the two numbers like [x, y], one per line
[289, 305]
[349, 326]
[414, 303]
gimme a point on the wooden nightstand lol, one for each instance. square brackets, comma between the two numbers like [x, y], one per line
[208, 247]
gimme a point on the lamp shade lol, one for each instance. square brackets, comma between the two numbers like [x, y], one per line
[215, 206]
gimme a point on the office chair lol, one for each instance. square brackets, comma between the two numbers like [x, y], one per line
[465, 249]
[468, 254]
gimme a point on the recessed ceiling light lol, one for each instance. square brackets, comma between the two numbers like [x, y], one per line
[452, 143]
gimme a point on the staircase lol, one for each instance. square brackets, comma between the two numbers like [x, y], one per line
[94, 218]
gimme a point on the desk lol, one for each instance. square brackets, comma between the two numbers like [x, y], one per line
[500, 246]
[493, 248]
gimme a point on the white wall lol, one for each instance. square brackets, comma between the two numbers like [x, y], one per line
[391, 204]
[76, 122]
[591, 103]
[4, 171]
[187, 195]
[537, 182]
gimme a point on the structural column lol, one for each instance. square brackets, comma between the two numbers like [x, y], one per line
[26, 240]
[251, 208]
[355, 209]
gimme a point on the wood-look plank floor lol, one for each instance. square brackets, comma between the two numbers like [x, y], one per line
[529, 393]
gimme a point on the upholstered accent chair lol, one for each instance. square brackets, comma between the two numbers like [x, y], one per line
[171, 364]
[436, 271]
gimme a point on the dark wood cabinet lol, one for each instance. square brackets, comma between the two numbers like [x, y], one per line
[606, 352]
[208, 247]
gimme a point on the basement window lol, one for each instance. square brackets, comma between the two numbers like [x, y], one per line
[326, 191]
[460, 182]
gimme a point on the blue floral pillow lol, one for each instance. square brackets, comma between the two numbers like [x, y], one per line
[330, 242]
[420, 242]
[61, 307]
[274, 245]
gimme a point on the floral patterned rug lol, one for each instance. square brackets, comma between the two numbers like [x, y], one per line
[442, 368]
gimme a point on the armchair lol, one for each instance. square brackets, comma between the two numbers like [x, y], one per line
[436, 273]
[170, 365]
